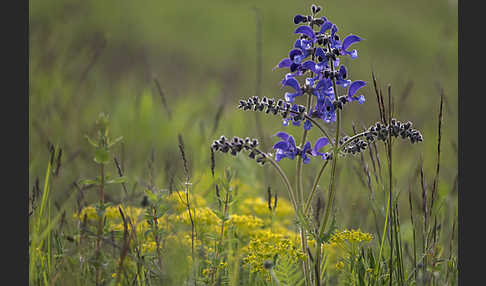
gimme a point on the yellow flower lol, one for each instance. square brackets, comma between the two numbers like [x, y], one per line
[149, 246]
[245, 224]
[89, 212]
[339, 265]
[347, 237]
[179, 200]
[259, 207]
[264, 245]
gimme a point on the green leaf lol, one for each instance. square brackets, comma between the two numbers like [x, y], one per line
[111, 143]
[101, 156]
[88, 182]
[94, 144]
[151, 196]
[117, 180]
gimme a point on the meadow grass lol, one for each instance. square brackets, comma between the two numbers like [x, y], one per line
[160, 208]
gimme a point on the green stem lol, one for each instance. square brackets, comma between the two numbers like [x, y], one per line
[100, 226]
[334, 160]
[333, 170]
[300, 190]
[299, 184]
[314, 187]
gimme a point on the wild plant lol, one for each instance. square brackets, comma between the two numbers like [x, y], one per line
[103, 144]
[316, 70]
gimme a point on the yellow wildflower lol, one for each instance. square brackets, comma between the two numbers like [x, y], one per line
[264, 245]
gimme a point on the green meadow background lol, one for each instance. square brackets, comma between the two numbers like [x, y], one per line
[93, 56]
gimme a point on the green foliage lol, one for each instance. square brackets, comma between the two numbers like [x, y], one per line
[288, 272]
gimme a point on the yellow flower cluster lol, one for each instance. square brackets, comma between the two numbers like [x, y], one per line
[178, 200]
[204, 219]
[259, 207]
[245, 224]
[111, 212]
[350, 236]
[264, 245]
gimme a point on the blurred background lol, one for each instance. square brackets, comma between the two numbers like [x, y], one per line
[88, 57]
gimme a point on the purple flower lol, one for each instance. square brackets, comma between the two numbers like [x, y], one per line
[306, 30]
[307, 149]
[353, 88]
[307, 125]
[326, 26]
[325, 109]
[299, 19]
[285, 148]
[302, 49]
[341, 77]
[323, 89]
[347, 42]
[293, 83]
[321, 142]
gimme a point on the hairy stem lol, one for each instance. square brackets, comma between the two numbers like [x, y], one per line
[314, 187]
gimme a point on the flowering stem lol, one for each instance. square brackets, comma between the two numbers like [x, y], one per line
[334, 157]
[314, 187]
[333, 172]
[300, 189]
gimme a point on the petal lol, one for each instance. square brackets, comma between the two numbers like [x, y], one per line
[305, 159]
[324, 156]
[353, 88]
[349, 40]
[321, 142]
[307, 146]
[320, 53]
[283, 135]
[343, 82]
[281, 145]
[306, 30]
[336, 62]
[293, 53]
[294, 67]
[291, 141]
[307, 125]
[361, 99]
[343, 73]
[326, 26]
[310, 65]
[299, 18]
[279, 155]
[353, 54]
[298, 44]
[334, 29]
[289, 97]
[284, 63]
[292, 82]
